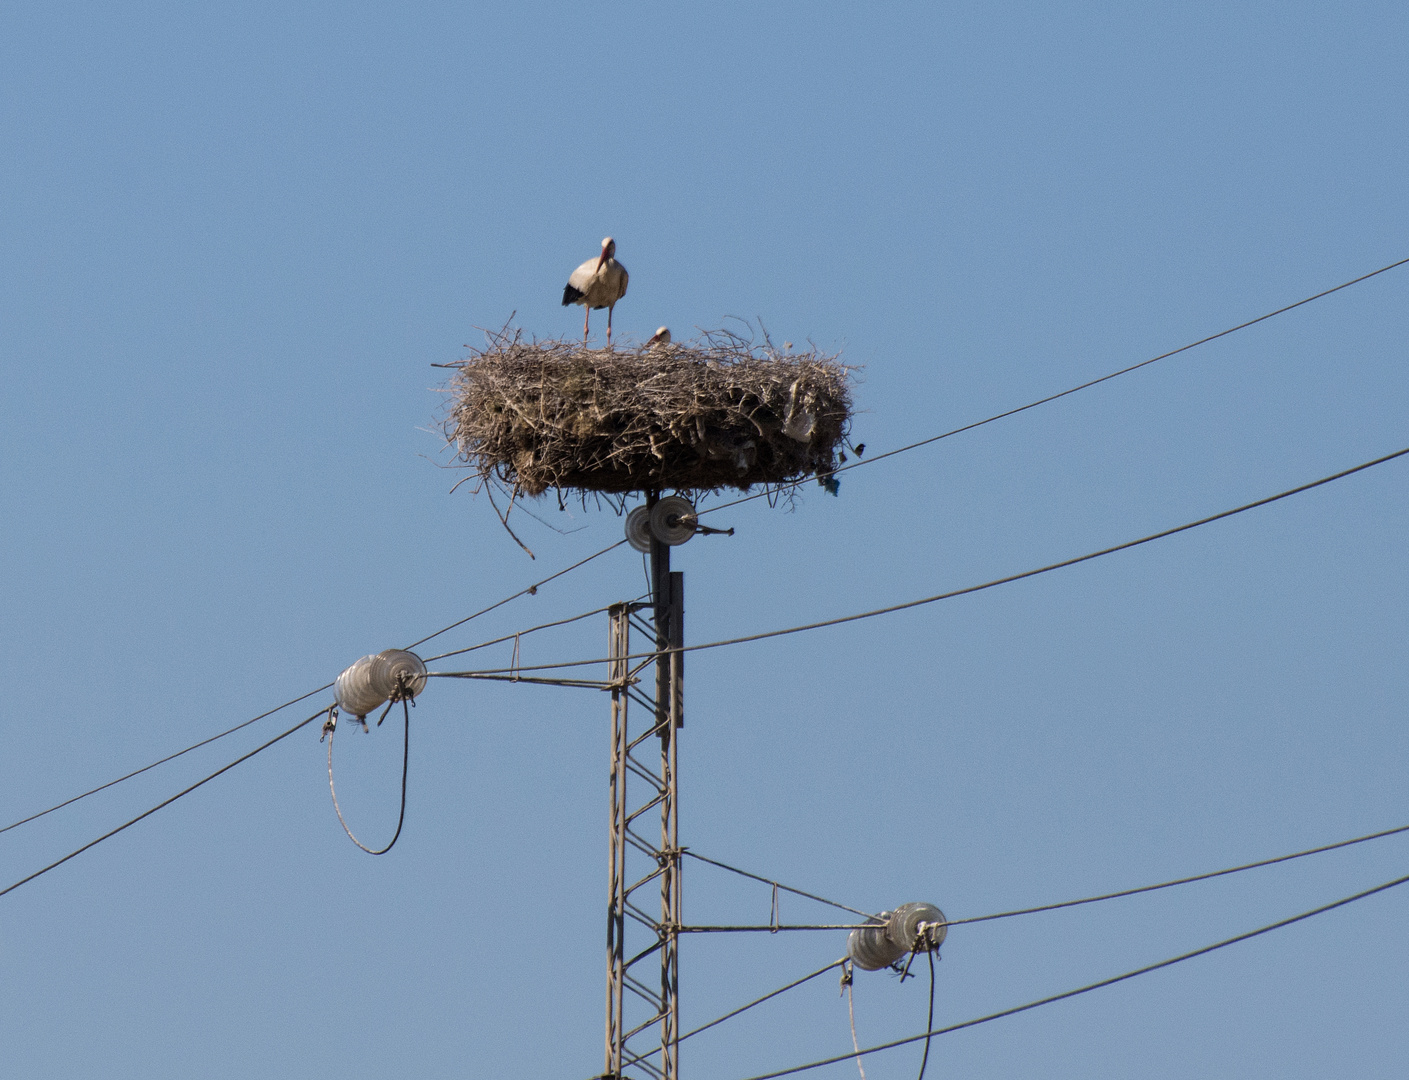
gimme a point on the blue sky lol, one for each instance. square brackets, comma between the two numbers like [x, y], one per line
[235, 239]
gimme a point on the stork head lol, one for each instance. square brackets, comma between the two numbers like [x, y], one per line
[660, 337]
[608, 250]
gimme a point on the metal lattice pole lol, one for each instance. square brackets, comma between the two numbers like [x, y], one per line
[620, 647]
[669, 619]
[637, 861]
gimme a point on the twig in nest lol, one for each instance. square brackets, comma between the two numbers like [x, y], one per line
[504, 520]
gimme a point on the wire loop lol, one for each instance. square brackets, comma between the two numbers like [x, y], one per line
[330, 728]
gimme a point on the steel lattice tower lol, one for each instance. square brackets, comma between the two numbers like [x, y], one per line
[642, 862]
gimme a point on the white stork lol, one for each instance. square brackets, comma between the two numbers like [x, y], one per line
[660, 337]
[597, 283]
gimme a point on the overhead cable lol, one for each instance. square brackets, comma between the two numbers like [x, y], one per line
[531, 630]
[1206, 876]
[164, 803]
[929, 1024]
[847, 981]
[1183, 880]
[765, 997]
[841, 619]
[1095, 985]
[531, 589]
[777, 885]
[1083, 386]
[1046, 907]
[528, 591]
[169, 757]
[293, 701]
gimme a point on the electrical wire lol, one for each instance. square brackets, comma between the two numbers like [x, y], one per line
[164, 803]
[1047, 907]
[848, 980]
[531, 589]
[163, 761]
[777, 885]
[517, 634]
[531, 630]
[293, 701]
[528, 591]
[765, 997]
[1072, 390]
[929, 1024]
[1096, 985]
[841, 619]
[1383, 833]
[330, 729]
[1183, 880]
[1004, 914]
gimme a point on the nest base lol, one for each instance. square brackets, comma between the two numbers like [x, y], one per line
[718, 412]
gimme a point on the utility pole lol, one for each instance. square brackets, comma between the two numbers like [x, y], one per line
[637, 859]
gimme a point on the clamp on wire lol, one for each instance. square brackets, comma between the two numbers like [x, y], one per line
[401, 693]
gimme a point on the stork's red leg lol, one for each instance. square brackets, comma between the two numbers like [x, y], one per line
[610, 308]
[586, 314]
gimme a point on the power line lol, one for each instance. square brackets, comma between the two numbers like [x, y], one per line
[1061, 904]
[531, 589]
[929, 1024]
[164, 803]
[765, 997]
[831, 622]
[841, 619]
[848, 980]
[1083, 386]
[1183, 880]
[528, 591]
[518, 634]
[163, 761]
[1022, 911]
[1095, 985]
[777, 885]
[531, 630]
[744, 1008]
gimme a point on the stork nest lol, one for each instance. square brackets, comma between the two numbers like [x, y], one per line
[718, 412]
